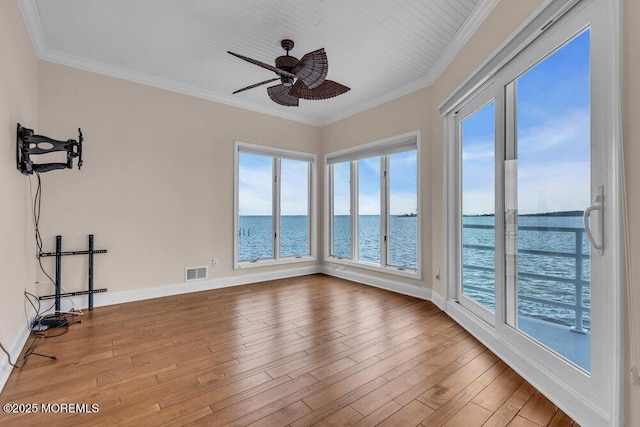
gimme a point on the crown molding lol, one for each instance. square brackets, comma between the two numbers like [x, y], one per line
[169, 85]
[34, 28]
[470, 25]
[33, 23]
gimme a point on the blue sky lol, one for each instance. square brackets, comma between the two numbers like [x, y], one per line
[553, 153]
[553, 131]
[256, 186]
[402, 184]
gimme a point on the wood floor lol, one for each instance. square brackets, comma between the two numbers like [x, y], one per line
[312, 350]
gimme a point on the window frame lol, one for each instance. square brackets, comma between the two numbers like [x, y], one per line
[276, 154]
[382, 149]
[473, 104]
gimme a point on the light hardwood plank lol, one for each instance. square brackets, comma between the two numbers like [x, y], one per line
[302, 351]
[538, 409]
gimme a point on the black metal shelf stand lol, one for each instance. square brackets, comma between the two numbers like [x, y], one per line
[59, 254]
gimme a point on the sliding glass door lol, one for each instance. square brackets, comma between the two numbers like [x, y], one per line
[476, 130]
[534, 235]
[550, 177]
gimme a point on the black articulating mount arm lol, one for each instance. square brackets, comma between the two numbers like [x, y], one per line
[28, 144]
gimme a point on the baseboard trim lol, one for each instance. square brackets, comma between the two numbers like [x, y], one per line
[14, 350]
[438, 300]
[111, 298]
[388, 284]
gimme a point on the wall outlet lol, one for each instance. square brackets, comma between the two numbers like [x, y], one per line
[438, 274]
[214, 262]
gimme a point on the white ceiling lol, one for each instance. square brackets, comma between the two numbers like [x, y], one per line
[381, 49]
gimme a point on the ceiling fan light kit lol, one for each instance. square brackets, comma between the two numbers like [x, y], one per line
[304, 78]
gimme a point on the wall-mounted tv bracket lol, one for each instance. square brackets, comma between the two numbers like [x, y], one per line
[28, 144]
[59, 254]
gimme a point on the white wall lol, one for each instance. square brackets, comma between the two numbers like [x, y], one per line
[156, 188]
[18, 103]
[631, 136]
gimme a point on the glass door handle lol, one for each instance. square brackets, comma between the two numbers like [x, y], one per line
[598, 223]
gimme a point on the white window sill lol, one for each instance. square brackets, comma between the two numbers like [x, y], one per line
[396, 271]
[269, 262]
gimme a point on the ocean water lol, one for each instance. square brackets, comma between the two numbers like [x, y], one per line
[255, 238]
[563, 267]
[403, 249]
[256, 233]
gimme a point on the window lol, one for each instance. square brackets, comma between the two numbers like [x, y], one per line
[341, 212]
[373, 205]
[273, 205]
[369, 220]
[476, 145]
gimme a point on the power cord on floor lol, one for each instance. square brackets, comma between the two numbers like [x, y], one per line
[9, 357]
[40, 331]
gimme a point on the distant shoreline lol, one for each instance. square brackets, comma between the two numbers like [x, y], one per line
[558, 214]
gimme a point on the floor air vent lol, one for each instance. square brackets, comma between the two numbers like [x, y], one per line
[195, 273]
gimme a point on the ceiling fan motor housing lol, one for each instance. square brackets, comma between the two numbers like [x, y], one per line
[286, 63]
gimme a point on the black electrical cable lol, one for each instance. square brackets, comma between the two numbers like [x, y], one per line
[37, 209]
[37, 335]
[15, 365]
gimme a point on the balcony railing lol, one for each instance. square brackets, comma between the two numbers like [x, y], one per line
[578, 281]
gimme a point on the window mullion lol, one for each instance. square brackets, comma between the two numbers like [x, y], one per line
[276, 207]
[331, 210]
[384, 209]
[507, 209]
[355, 211]
[310, 205]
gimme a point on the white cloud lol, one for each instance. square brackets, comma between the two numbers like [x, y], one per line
[369, 204]
[255, 191]
[478, 150]
[256, 188]
[479, 201]
[565, 130]
[294, 190]
[553, 170]
[402, 203]
[561, 186]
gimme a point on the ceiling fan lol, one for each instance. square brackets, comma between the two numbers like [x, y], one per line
[304, 78]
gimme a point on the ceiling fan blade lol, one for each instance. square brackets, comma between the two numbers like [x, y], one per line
[280, 95]
[312, 68]
[327, 89]
[256, 85]
[264, 65]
